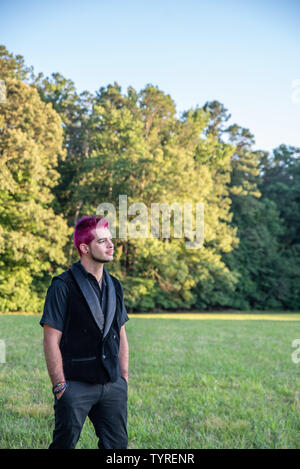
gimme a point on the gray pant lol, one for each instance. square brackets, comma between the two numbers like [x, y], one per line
[104, 404]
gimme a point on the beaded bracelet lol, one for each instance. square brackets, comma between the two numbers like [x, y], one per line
[58, 388]
[58, 384]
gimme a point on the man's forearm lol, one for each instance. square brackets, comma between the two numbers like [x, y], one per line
[124, 355]
[54, 362]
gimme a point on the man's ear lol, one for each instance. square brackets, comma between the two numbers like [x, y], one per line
[84, 248]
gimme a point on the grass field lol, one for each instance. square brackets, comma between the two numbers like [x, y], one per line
[193, 384]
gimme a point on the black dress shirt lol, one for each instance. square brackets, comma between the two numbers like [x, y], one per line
[55, 306]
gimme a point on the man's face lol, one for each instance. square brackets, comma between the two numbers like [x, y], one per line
[101, 249]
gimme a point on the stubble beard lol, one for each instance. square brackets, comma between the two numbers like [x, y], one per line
[99, 259]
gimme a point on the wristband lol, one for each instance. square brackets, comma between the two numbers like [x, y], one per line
[58, 388]
[58, 384]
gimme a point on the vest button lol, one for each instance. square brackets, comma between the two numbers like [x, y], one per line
[104, 356]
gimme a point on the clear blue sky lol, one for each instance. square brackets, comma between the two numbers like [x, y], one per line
[244, 53]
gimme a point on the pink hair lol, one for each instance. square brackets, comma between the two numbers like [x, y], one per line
[83, 228]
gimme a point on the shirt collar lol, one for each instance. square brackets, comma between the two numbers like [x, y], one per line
[87, 274]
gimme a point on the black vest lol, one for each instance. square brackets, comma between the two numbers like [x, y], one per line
[89, 354]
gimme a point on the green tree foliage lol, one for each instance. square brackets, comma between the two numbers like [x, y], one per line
[13, 66]
[75, 112]
[280, 183]
[64, 153]
[256, 258]
[140, 148]
[32, 236]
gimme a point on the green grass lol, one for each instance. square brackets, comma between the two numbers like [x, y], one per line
[193, 384]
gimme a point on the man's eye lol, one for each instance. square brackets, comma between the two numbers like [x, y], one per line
[103, 240]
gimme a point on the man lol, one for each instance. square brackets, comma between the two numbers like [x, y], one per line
[85, 343]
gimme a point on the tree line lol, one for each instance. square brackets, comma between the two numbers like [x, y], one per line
[62, 153]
